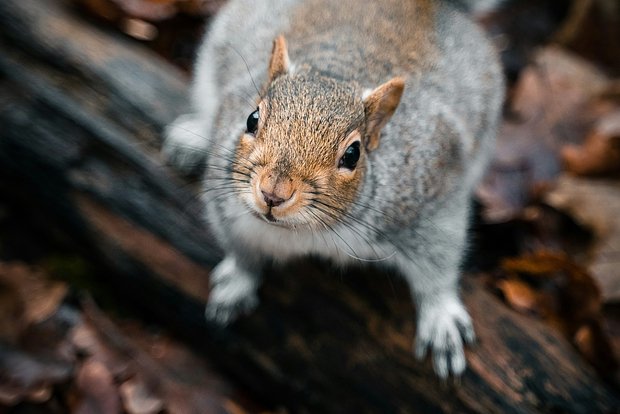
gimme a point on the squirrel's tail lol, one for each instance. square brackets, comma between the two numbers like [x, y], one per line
[477, 6]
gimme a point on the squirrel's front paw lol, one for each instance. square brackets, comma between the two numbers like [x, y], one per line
[442, 323]
[233, 292]
[184, 144]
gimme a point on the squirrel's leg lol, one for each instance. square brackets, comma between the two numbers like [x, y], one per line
[233, 290]
[442, 324]
[185, 143]
[186, 140]
[433, 272]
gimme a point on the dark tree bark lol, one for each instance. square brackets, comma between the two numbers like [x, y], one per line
[81, 113]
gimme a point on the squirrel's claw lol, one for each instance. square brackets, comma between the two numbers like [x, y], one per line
[442, 326]
[223, 313]
[233, 292]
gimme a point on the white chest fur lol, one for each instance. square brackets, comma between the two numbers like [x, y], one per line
[343, 243]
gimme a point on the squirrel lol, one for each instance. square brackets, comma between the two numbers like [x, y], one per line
[373, 124]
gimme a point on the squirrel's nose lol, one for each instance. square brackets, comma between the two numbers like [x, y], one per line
[271, 199]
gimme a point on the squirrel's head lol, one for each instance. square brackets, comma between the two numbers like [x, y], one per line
[303, 154]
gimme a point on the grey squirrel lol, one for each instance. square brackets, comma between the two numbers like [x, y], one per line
[374, 121]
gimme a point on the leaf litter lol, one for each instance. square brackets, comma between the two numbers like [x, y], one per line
[554, 184]
[54, 354]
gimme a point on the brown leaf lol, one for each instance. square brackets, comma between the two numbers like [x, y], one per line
[166, 371]
[33, 353]
[505, 191]
[600, 153]
[97, 392]
[39, 296]
[139, 29]
[51, 338]
[42, 303]
[552, 106]
[87, 340]
[519, 295]
[566, 297]
[138, 398]
[26, 376]
[595, 204]
[575, 292]
[594, 345]
[555, 90]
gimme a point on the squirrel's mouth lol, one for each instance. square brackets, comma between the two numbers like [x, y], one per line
[270, 218]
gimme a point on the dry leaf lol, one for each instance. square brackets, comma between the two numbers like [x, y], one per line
[575, 293]
[552, 106]
[566, 297]
[87, 340]
[26, 376]
[166, 371]
[519, 295]
[39, 296]
[595, 204]
[29, 363]
[600, 153]
[97, 392]
[593, 343]
[139, 29]
[138, 398]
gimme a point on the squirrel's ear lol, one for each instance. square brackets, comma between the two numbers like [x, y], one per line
[279, 63]
[379, 105]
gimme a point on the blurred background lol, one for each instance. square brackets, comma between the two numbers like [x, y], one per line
[104, 260]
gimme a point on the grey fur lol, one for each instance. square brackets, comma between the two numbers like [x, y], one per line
[431, 154]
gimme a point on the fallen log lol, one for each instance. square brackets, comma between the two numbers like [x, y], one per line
[81, 113]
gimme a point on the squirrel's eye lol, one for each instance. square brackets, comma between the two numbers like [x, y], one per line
[350, 157]
[252, 122]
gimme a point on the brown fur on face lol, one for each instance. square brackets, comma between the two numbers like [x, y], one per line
[306, 124]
